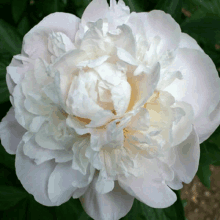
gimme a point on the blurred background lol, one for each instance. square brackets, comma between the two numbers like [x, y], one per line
[198, 18]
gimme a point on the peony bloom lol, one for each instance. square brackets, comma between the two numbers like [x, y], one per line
[109, 108]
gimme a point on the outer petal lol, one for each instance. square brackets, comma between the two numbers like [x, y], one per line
[187, 158]
[34, 178]
[188, 42]
[150, 188]
[40, 155]
[157, 23]
[11, 132]
[183, 127]
[16, 70]
[111, 206]
[60, 188]
[199, 87]
[36, 40]
[208, 125]
[100, 7]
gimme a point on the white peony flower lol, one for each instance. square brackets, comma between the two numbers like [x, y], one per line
[108, 108]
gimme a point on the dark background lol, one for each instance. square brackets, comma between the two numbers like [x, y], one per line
[198, 18]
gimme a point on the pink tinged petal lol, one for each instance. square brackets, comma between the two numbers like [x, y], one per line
[60, 188]
[40, 155]
[200, 85]
[183, 126]
[188, 42]
[150, 188]
[111, 206]
[187, 158]
[100, 7]
[36, 40]
[209, 124]
[11, 132]
[34, 178]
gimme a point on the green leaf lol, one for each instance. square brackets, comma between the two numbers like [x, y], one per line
[200, 8]
[206, 29]
[204, 174]
[17, 212]
[23, 26]
[9, 196]
[209, 153]
[71, 208]
[50, 6]
[10, 39]
[7, 159]
[140, 211]
[18, 8]
[36, 211]
[172, 7]
[4, 93]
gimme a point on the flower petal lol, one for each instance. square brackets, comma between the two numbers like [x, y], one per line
[121, 97]
[60, 188]
[157, 23]
[182, 129]
[111, 206]
[188, 42]
[150, 188]
[187, 158]
[100, 7]
[34, 178]
[11, 132]
[209, 124]
[40, 155]
[36, 40]
[200, 85]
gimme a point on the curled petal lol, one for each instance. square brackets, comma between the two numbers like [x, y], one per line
[187, 158]
[111, 206]
[40, 155]
[200, 85]
[60, 187]
[36, 40]
[150, 188]
[188, 42]
[11, 132]
[30, 173]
